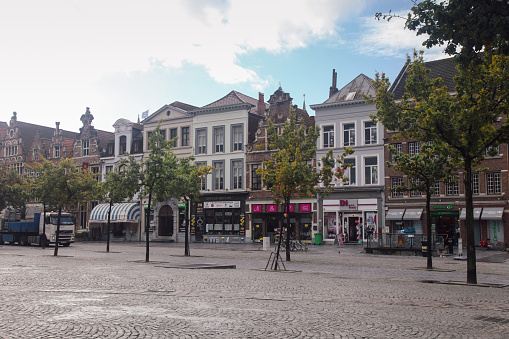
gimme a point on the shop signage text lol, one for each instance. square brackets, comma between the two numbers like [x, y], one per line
[221, 204]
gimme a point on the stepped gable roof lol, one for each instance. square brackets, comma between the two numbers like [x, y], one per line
[183, 106]
[235, 98]
[354, 90]
[443, 68]
[28, 132]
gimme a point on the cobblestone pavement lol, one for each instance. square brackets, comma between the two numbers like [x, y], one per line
[88, 293]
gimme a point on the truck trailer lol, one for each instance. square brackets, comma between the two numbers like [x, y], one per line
[31, 231]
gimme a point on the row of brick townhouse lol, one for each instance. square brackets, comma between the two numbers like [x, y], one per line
[230, 135]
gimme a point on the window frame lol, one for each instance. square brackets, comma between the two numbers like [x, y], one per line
[218, 180]
[201, 149]
[185, 136]
[328, 136]
[372, 170]
[237, 145]
[350, 170]
[373, 129]
[85, 148]
[351, 133]
[256, 180]
[219, 139]
[395, 182]
[237, 174]
[493, 183]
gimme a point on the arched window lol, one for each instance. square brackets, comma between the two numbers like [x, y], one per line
[123, 145]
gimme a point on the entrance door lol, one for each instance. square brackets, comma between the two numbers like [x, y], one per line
[272, 226]
[352, 228]
[165, 221]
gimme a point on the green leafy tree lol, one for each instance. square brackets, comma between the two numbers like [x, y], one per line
[463, 125]
[64, 184]
[187, 185]
[157, 173]
[120, 185]
[424, 170]
[13, 190]
[290, 172]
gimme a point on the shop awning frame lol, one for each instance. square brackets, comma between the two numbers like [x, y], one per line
[477, 213]
[413, 214]
[122, 212]
[492, 213]
[395, 214]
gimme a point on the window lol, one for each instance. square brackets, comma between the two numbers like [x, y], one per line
[137, 145]
[95, 170]
[395, 182]
[56, 151]
[414, 148]
[237, 138]
[492, 151]
[398, 151]
[349, 135]
[36, 154]
[203, 182]
[218, 175]
[122, 145]
[370, 133]
[453, 188]
[110, 149]
[149, 135]
[328, 136]
[218, 139]
[83, 216]
[85, 147]
[371, 171]
[173, 134]
[184, 134]
[436, 188]
[109, 169]
[493, 183]
[256, 180]
[201, 141]
[350, 172]
[163, 133]
[237, 176]
[11, 150]
[415, 193]
[19, 168]
[475, 183]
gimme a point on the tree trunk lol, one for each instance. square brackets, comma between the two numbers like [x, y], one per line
[43, 236]
[428, 228]
[109, 223]
[58, 230]
[187, 252]
[286, 214]
[147, 227]
[469, 224]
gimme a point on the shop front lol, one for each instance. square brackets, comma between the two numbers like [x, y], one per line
[219, 219]
[267, 220]
[124, 221]
[349, 219]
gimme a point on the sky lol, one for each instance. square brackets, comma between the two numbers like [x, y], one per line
[124, 57]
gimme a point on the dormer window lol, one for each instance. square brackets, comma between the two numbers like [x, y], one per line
[350, 96]
[122, 145]
[11, 133]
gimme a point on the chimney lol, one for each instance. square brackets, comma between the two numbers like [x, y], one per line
[333, 89]
[261, 104]
[57, 125]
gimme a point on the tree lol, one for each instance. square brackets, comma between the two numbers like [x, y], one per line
[120, 185]
[187, 185]
[290, 172]
[158, 171]
[424, 170]
[64, 184]
[463, 125]
[13, 191]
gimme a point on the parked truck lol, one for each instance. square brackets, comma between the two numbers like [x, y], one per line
[31, 231]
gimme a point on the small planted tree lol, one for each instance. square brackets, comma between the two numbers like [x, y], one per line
[424, 170]
[13, 189]
[64, 184]
[120, 185]
[187, 185]
[290, 173]
[157, 173]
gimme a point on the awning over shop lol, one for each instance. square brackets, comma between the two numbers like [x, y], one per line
[395, 214]
[124, 212]
[413, 214]
[492, 213]
[477, 213]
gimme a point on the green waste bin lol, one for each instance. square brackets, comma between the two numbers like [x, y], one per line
[318, 239]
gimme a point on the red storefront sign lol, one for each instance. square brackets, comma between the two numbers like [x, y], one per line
[305, 208]
[257, 208]
[271, 208]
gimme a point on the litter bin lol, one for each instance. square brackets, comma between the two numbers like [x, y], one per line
[318, 239]
[424, 248]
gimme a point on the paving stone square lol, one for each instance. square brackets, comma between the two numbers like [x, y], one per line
[88, 293]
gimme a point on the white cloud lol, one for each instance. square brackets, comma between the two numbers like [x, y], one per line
[92, 38]
[391, 39]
